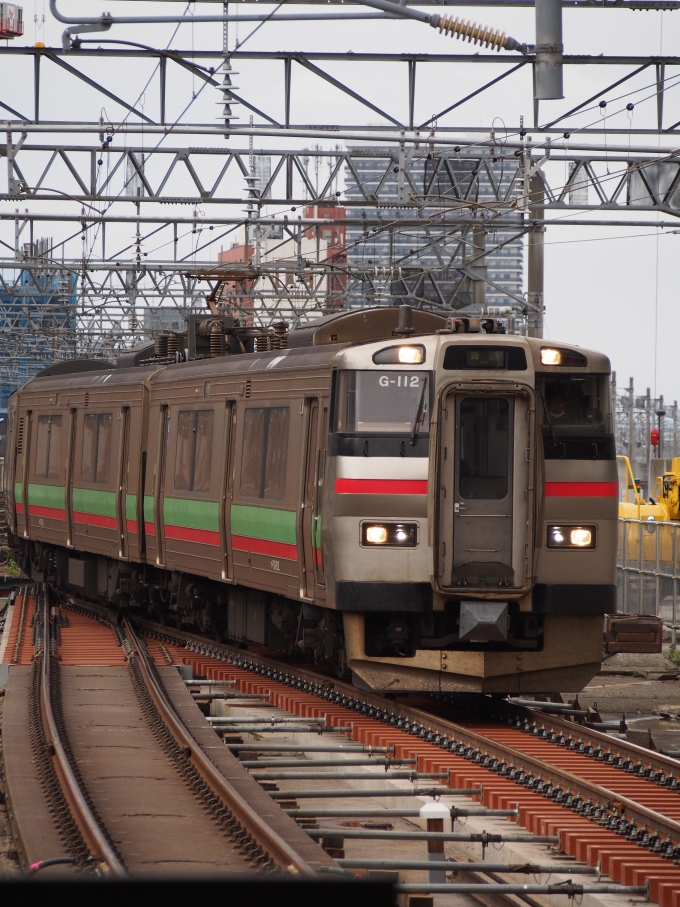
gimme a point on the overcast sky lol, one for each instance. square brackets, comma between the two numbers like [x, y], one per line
[614, 289]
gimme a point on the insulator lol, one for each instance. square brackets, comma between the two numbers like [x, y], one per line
[262, 341]
[280, 338]
[173, 344]
[479, 34]
[162, 345]
[216, 339]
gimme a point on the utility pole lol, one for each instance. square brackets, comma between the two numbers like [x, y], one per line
[479, 267]
[536, 256]
[648, 429]
[632, 445]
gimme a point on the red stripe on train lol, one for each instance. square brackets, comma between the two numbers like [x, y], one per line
[95, 519]
[52, 513]
[581, 489]
[262, 546]
[203, 536]
[381, 486]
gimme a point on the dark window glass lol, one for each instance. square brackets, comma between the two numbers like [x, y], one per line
[483, 448]
[375, 402]
[48, 447]
[89, 447]
[42, 446]
[575, 404]
[95, 465]
[265, 452]
[193, 453]
[54, 464]
[104, 448]
[277, 453]
[254, 440]
[204, 451]
[459, 357]
[184, 453]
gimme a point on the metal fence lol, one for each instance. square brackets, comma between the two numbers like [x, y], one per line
[648, 572]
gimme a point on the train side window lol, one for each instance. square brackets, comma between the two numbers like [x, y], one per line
[95, 465]
[48, 447]
[193, 453]
[265, 452]
[277, 453]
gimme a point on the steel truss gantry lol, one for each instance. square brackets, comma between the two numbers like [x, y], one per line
[139, 204]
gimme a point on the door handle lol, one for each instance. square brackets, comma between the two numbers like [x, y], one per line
[458, 508]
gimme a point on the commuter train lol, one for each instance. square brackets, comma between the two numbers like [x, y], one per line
[427, 503]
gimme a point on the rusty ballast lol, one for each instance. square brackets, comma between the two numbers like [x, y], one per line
[279, 851]
[92, 834]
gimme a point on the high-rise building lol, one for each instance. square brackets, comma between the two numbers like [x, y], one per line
[419, 271]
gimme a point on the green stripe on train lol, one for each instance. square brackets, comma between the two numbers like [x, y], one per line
[87, 500]
[191, 514]
[130, 506]
[263, 523]
[148, 509]
[46, 496]
[18, 492]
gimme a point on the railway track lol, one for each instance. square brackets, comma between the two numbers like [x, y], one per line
[612, 805]
[123, 759]
[94, 675]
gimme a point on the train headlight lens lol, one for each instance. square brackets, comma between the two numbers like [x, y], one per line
[390, 535]
[581, 538]
[571, 536]
[551, 357]
[376, 535]
[413, 354]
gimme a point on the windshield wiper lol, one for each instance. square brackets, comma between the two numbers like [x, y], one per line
[547, 415]
[419, 413]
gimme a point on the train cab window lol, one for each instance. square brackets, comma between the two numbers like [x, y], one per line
[265, 452]
[375, 402]
[193, 454]
[576, 415]
[48, 447]
[97, 440]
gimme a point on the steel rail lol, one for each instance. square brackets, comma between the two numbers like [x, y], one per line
[568, 781]
[81, 812]
[278, 849]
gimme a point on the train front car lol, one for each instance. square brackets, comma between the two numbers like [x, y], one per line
[472, 494]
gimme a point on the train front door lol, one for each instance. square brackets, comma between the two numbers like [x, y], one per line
[483, 473]
[486, 466]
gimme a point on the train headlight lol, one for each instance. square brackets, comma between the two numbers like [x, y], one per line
[551, 357]
[390, 535]
[411, 354]
[375, 535]
[571, 536]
